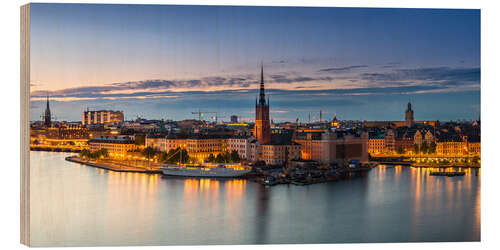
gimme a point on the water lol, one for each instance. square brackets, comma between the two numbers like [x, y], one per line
[77, 205]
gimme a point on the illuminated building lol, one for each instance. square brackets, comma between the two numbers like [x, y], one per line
[102, 117]
[474, 145]
[422, 136]
[310, 145]
[262, 130]
[158, 143]
[117, 146]
[376, 144]
[173, 143]
[335, 122]
[200, 148]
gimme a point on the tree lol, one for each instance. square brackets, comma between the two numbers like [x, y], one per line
[432, 148]
[219, 158]
[85, 153]
[140, 140]
[400, 150]
[234, 156]
[415, 148]
[103, 153]
[211, 158]
[424, 148]
[149, 152]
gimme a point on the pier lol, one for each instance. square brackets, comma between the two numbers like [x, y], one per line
[116, 166]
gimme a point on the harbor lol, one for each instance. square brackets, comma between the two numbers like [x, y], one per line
[263, 175]
[248, 212]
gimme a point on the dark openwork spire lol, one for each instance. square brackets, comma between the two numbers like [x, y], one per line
[262, 98]
[47, 116]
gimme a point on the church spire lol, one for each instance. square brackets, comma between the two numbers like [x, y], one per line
[47, 117]
[262, 98]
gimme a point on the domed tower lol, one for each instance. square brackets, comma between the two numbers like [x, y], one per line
[262, 129]
[46, 117]
[409, 121]
[335, 122]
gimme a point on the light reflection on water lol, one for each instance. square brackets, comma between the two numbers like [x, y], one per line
[76, 205]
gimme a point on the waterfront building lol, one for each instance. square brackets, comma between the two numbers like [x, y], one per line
[102, 117]
[255, 150]
[310, 145]
[172, 142]
[116, 146]
[47, 122]
[201, 147]
[262, 129]
[390, 141]
[240, 144]
[333, 147]
[451, 144]
[276, 154]
[474, 145]
[339, 147]
[376, 143]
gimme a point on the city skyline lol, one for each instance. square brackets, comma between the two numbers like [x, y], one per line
[362, 64]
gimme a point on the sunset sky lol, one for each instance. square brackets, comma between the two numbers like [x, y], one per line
[160, 61]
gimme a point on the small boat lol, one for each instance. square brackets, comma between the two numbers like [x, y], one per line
[299, 183]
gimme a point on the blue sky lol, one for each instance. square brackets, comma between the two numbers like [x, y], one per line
[161, 61]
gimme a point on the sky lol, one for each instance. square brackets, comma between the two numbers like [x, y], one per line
[166, 61]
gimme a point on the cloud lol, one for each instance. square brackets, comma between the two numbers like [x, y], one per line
[343, 69]
[398, 81]
[427, 74]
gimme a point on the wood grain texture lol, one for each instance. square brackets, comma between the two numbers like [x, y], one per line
[25, 92]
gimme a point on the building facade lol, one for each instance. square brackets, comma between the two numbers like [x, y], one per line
[102, 117]
[116, 146]
[276, 154]
[409, 120]
[240, 145]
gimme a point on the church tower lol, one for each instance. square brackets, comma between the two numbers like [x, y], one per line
[46, 117]
[409, 121]
[262, 124]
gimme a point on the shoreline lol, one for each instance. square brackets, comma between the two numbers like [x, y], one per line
[110, 166]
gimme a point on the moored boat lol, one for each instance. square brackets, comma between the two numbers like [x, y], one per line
[205, 170]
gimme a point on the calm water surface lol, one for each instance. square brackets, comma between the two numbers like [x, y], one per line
[77, 205]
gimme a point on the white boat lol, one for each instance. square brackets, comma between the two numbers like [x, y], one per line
[206, 170]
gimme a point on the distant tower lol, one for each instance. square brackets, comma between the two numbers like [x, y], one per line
[46, 117]
[262, 125]
[335, 122]
[409, 121]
